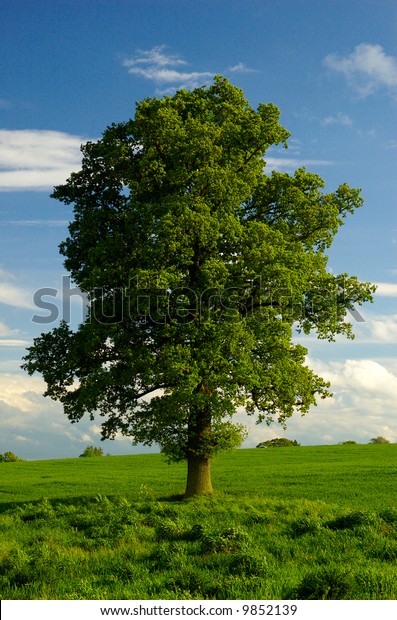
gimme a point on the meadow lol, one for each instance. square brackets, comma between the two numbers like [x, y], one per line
[285, 523]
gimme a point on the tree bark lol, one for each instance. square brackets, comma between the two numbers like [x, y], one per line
[198, 476]
[198, 453]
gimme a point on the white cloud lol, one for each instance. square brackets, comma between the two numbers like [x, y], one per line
[291, 164]
[6, 331]
[5, 341]
[367, 68]
[364, 405]
[241, 68]
[15, 296]
[45, 223]
[383, 328]
[367, 377]
[386, 289]
[163, 68]
[339, 119]
[22, 296]
[159, 67]
[35, 427]
[21, 391]
[9, 342]
[33, 159]
[154, 57]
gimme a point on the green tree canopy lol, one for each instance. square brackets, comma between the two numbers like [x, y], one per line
[279, 442]
[9, 457]
[197, 265]
[91, 451]
[379, 439]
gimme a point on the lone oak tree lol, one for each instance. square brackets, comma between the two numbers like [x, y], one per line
[197, 265]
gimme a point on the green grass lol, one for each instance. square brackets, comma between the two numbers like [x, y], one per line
[292, 523]
[354, 476]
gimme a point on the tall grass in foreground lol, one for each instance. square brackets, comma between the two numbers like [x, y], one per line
[204, 548]
[303, 523]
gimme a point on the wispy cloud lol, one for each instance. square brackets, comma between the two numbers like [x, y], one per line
[161, 67]
[240, 68]
[164, 68]
[13, 295]
[14, 342]
[289, 163]
[338, 119]
[367, 69]
[6, 331]
[45, 223]
[32, 159]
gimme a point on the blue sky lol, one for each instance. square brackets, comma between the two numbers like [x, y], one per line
[71, 68]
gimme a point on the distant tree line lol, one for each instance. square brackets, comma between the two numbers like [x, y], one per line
[374, 440]
[283, 442]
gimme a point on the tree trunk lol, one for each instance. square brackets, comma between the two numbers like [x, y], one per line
[199, 439]
[198, 476]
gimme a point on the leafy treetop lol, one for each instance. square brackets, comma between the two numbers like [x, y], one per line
[278, 442]
[197, 264]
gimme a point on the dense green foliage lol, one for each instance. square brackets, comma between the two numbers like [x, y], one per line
[197, 265]
[379, 440]
[91, 451]
[9, 457]
[278, 442]
[127, 541]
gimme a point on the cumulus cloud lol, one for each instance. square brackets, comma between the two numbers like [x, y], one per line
[386, 289]
[368, 376]
[382, 328]
[33, 159]
[161, 67]
[367, 69]
[21, 391]
[35, 427]
[364, 405]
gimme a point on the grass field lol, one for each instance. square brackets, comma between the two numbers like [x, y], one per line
[285, 523]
